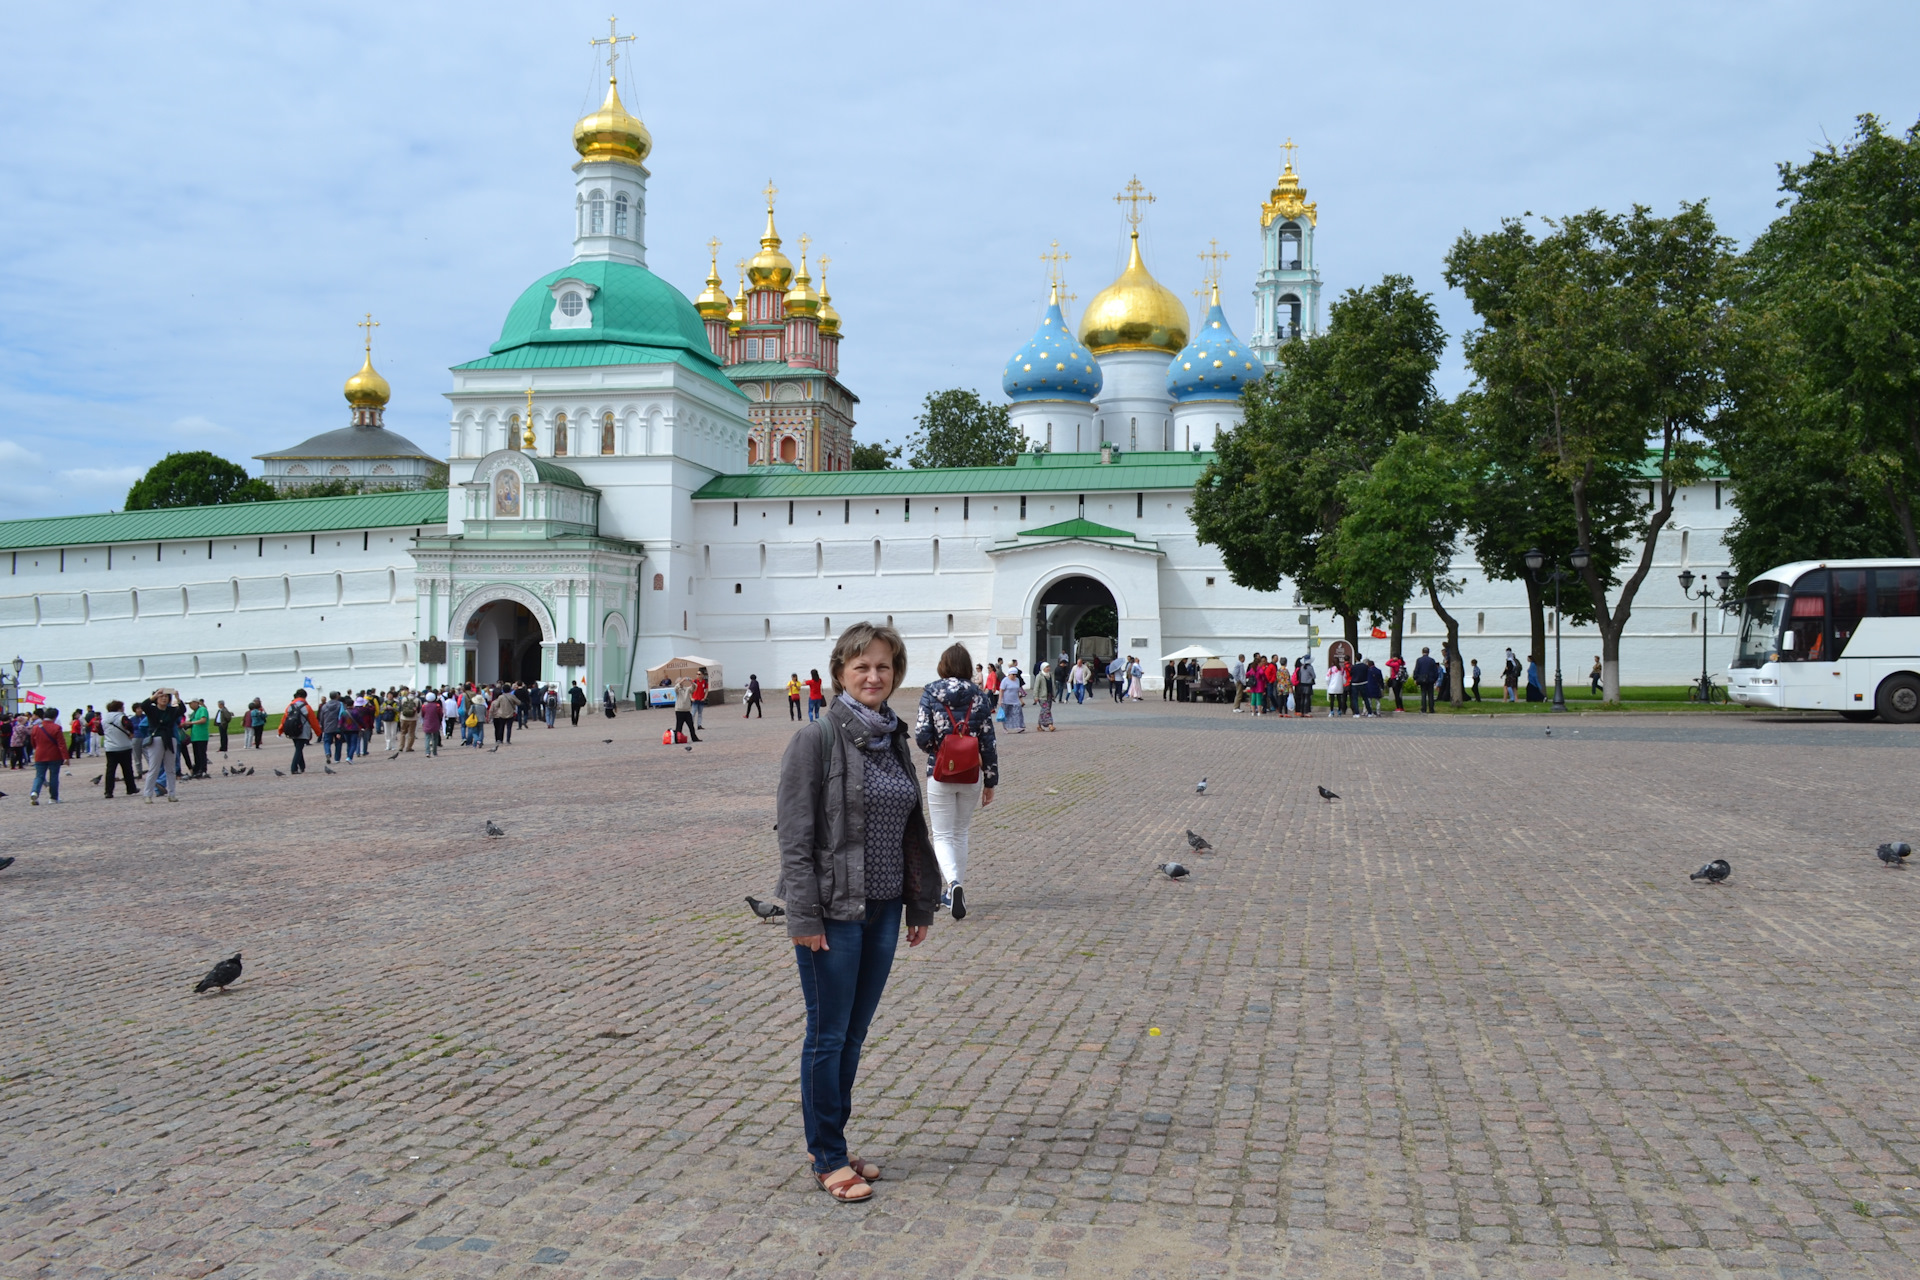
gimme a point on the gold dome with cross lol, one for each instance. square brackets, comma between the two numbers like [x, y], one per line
[1135, 312]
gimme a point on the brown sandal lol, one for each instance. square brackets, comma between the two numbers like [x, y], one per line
[844, 1185]
[867, 1169]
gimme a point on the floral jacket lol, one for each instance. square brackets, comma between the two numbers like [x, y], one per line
[947, 701]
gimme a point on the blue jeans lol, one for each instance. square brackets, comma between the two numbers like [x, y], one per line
[48, 772]
[842, 986]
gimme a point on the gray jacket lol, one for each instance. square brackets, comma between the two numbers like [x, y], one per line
[823, 853]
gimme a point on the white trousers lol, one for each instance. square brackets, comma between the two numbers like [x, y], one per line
[950, 807]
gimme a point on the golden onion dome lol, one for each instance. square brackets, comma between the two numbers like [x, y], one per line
[801, 298]
[611, 133]
[367, 389]
[737, 314]
[1134, 313]
[769, 268]
[713, 303]
[829, 318]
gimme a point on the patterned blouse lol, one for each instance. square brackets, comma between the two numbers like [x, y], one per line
[891, 799]
[948, 701]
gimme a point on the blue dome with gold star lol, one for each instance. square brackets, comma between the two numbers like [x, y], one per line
[1215, 365]
[1054, 365]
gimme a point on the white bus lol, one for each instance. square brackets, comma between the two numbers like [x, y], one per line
[1834, 635]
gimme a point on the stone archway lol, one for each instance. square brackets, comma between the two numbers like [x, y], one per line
[1058, 610]
[505, 631]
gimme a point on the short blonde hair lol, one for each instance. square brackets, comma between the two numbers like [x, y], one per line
[856, 640]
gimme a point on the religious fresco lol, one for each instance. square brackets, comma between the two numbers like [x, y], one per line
[506, 494]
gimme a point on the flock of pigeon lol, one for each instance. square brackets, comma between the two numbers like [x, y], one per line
[1894, 854]
[1198, 843]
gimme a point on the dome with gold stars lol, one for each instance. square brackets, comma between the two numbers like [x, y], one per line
[611, 133]
[1215, 365]
[1134, 313]
[1053, 365]
[367, 389]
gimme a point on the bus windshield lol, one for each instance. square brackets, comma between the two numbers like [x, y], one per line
[1760, 624]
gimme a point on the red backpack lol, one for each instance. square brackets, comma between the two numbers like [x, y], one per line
[958, 760]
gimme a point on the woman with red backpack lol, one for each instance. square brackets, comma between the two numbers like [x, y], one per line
[955, 729]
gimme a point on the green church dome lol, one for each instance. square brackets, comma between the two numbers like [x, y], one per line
[623, 304]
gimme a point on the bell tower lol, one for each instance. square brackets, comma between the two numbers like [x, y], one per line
[1286, 292]
[610, 179]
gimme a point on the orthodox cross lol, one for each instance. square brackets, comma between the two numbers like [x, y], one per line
[369, 324]
[770, 191]
[1289, 148]
[1054, 259]
[1213, 257]
[713, 247]
[613, 43]
[804, 242]
[825, 262]
[1134, 196]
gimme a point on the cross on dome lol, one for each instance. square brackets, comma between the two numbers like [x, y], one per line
[369, 324]
[1213, 256]
[1289, 148]
[770, 191]
[1134, 196]
[613, 42]
[1054, 259]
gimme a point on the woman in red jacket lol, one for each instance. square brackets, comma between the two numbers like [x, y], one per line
[49, 753]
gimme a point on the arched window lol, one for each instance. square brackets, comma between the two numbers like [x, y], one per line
[596, 214]
[1290, 246]
[620, 214]
[606, 433]
[1290, 316]
[789, 449]
[559, 435]
[753, 451]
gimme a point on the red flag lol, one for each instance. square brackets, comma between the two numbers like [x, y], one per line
[1378, 634]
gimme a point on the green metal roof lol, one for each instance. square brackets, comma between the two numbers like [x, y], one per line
[755, 369]
[591, 354]
[1033, 473]
[1075, 528]
[554, 473]
[385, 510]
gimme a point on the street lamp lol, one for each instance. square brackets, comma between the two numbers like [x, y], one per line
[1704, 596]
[1536, 560]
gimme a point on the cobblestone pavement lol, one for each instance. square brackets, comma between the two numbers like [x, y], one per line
[1470, 1020]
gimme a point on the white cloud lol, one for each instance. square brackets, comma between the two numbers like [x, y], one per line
[117, 478]
[196, 427]
[14, 454]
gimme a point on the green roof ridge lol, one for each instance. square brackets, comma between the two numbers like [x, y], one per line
[1078, 527]
[389, 508]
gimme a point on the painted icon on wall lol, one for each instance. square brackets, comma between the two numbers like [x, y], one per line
[506, 493]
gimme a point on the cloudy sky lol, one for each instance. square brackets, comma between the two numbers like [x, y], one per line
[201, 200]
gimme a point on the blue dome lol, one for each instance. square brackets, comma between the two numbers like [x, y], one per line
[1215, 365]
[1054, 365]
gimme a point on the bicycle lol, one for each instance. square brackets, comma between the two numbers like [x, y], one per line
[1706, 691]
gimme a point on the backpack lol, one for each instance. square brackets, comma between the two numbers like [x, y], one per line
[958, 760]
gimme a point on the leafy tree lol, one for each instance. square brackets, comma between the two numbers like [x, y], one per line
[1823, 443]
[196, 479]
[1271, 499]
[959, 429]
[436, 477]
[333, 487]
[874, 457]
[1600, 352]
[1402, 524]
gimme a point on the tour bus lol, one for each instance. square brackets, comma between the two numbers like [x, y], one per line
[1835, 635]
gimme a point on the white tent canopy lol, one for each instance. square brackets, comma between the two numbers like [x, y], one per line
[1191, 651]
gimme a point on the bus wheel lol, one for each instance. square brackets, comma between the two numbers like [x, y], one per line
[1899, 698]
[1858, 717]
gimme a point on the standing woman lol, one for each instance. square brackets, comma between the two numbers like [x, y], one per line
[815, 699]
[954, 705]
[854, 858]
[1043, 691]
[1013, 700]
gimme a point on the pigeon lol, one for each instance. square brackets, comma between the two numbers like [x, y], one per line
[1328, 796]
[326, 768]
[1549, 733]
[1200, 787]
[1894, 855]
[689, 747]
[1198, 843]
[1714, 872]
[227, 971]
[5, 863]
[250, 771]
[606, 739]
[223, 771]
[493, 830]
[278, 774]
[1173, 870]
[765, 910]
[97, 777]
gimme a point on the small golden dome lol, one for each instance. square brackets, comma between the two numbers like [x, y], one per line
[1135, 313]
[367, 389]
[610, 133]
[770, 268]
[829, 318]
[801, 299]
[713, 303]
[737, 314]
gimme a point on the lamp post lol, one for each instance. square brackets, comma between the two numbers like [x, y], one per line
[1536, 560]
[1704, 596]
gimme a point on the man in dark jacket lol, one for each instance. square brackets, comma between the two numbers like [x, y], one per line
[576, 699]
[1426, 674]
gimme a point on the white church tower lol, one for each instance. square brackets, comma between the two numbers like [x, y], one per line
[610, 182]
[1286, 293]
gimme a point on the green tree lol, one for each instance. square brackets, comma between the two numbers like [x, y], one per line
[875, 457]
[1600, 350]
[1402, 524]
[196, 479]
[1824, 445]
[959, 429]
[1271, 499]
[334, 487]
